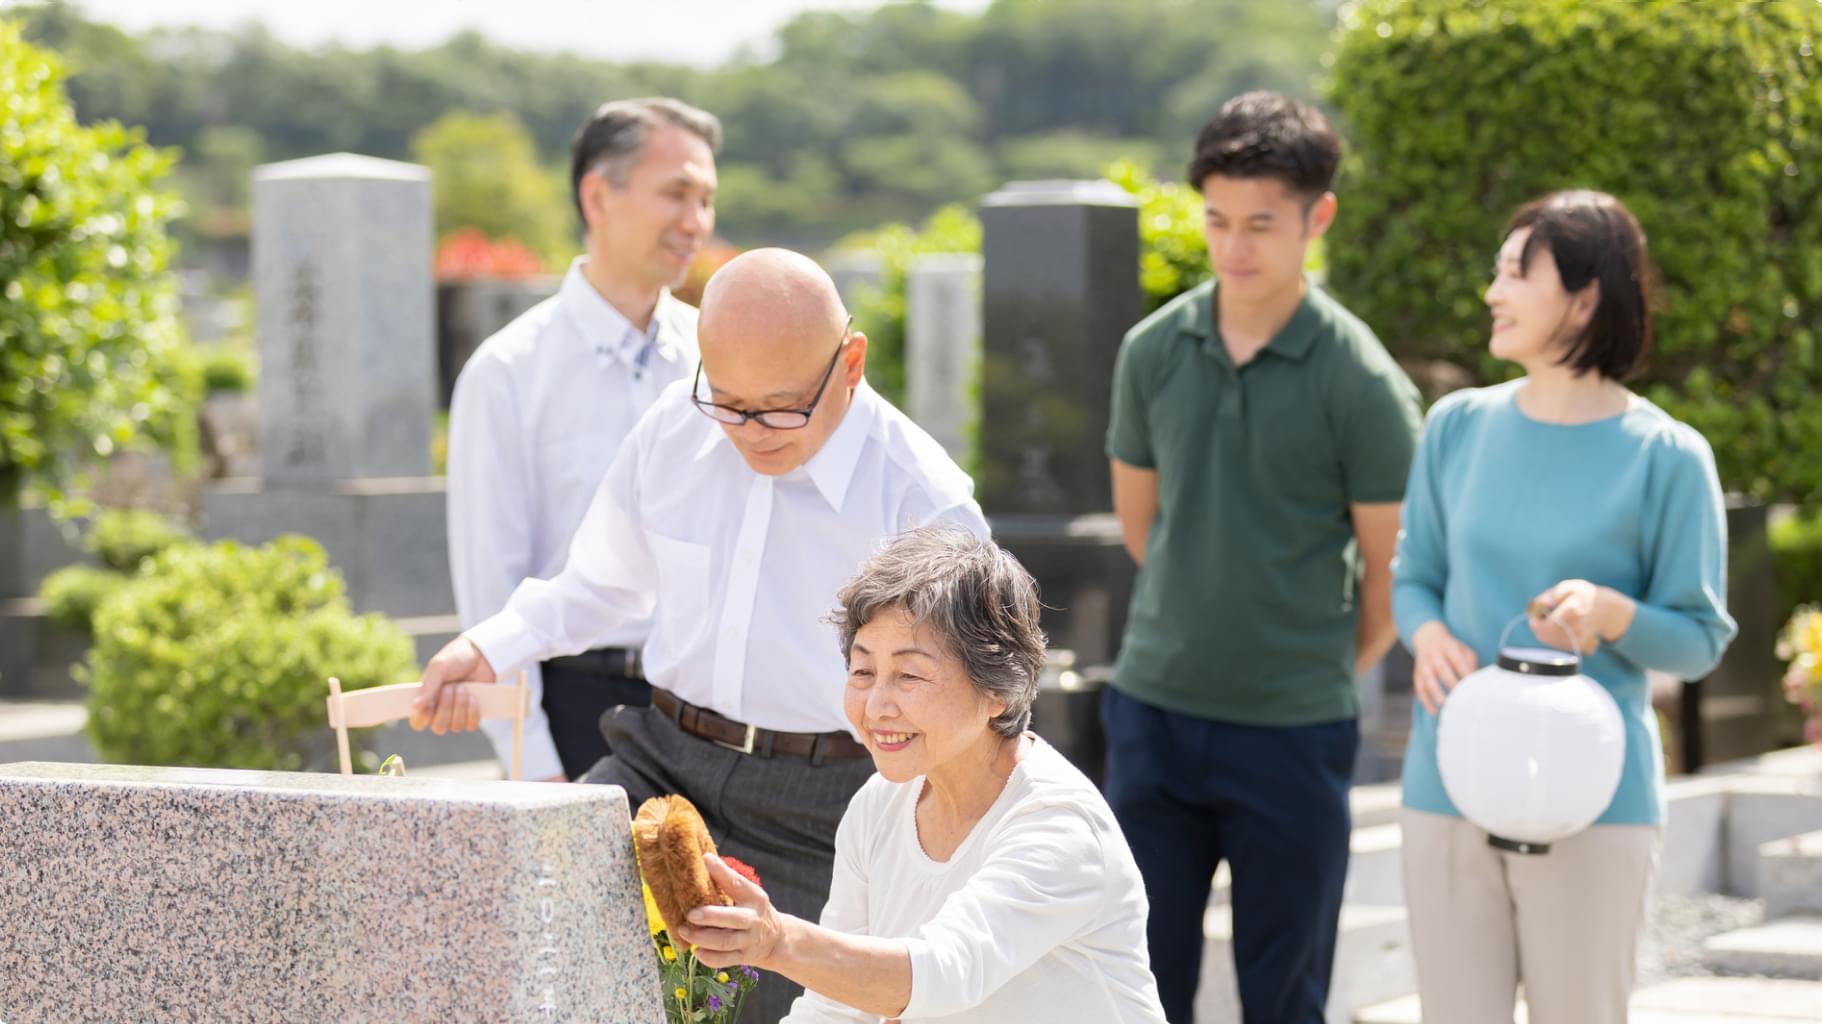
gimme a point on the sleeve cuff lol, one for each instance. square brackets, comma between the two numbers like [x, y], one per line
[923, 966]
[507, 642]
[1663, 640]
[1135, 459]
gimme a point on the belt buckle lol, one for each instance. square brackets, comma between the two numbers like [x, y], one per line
[740, 748]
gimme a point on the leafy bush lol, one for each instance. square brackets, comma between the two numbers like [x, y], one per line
[218, 656]
[122, 538]
[880, 313]
[1796, 549]
[227, 368]
[1703, 117]
[92, 359]
[1173, 256]
[72, 593]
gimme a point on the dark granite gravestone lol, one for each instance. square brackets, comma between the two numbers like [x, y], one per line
[1732, 712]
[1060, 288]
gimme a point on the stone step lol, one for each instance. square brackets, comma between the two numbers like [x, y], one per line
[1790, 875]
[1789, 947]
[1372, 963]
[1375, 872]
[1680, 1001]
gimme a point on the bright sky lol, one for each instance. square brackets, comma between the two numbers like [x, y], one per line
[701, 32]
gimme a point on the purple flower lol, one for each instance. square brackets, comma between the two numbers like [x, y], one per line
[714, 1004]
[751, 974]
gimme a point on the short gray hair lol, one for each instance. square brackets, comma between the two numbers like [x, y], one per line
[978, 600]
[609, 141]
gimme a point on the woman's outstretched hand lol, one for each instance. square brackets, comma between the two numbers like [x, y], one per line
[750, 932]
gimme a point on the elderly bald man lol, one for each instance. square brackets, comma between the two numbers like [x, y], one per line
[733, 513]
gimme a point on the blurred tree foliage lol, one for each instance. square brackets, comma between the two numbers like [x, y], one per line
[91, 358]
[849, 119]
[1703, 118]
[487, 179]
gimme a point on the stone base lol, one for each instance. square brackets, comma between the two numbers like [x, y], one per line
[388, 537]
[36, 654]
[188, 894]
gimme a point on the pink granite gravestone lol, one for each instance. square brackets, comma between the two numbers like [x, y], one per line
[175, 895]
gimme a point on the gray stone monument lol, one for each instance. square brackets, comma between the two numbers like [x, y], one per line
[181, 894]
[1060, 288]
[342, 249]
[943, 348]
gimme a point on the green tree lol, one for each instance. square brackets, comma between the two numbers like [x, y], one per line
[91, 358]
[485, 175]
[1701, 117]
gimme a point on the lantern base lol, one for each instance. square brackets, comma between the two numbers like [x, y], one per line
[1516, 845]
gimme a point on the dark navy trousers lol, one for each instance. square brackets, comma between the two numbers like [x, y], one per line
[1272, 801]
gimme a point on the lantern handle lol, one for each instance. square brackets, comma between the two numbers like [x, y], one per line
[1574, 637]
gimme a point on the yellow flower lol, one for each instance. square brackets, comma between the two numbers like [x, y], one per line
[722, 977]
[653, 919]
[670, 953]
[680, 994]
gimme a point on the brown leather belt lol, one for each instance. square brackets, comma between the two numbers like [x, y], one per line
[748, 739]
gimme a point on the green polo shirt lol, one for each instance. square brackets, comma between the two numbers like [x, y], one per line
[1244, 610]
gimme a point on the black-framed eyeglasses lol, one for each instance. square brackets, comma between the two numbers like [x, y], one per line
[776, 419]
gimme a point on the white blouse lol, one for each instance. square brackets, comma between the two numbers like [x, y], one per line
[1038, 915]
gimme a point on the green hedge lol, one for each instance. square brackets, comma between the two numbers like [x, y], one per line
[1703, 117]
[91, 358]
[219, 656]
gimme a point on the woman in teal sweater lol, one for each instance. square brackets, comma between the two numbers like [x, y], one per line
[1565, 496]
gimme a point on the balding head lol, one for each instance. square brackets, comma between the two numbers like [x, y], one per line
[771, 325]
[771, 297]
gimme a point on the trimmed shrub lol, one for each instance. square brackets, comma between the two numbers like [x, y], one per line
[227, 368]
[72, 593]
[122, 538]
[1702, 117]
[219, 656]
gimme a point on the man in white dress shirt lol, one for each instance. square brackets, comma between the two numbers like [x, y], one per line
[543, 406]
[737, 508]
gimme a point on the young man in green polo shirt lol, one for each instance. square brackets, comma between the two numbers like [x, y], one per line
[1260, 441]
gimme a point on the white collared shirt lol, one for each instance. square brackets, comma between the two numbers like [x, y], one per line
[738, 570]
[539, 412]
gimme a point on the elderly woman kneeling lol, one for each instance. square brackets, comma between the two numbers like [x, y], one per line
[979, 876]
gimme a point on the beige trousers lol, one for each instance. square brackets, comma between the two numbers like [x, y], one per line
[1565, 923]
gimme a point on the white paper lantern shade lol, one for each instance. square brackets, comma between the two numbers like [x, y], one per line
[1529, 748]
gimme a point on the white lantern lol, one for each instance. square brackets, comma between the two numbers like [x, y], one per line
[1529, 748]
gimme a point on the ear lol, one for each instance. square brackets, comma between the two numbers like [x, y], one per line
[1321, 215]
[1583, 303]
[594, 190]
[854, 363]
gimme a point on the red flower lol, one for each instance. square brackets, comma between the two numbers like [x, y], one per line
[743, 869]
